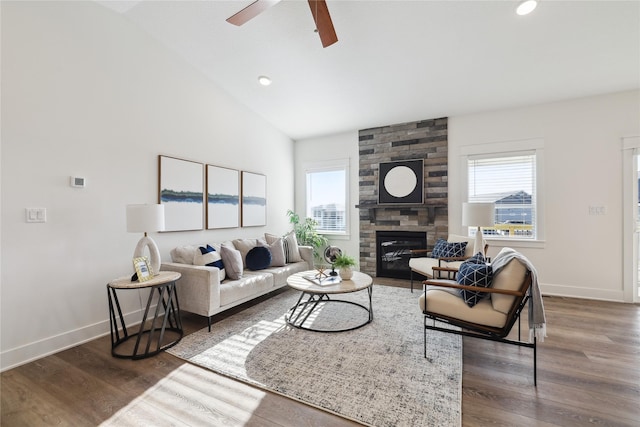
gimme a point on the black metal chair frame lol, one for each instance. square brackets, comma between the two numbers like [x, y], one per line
[482, 331]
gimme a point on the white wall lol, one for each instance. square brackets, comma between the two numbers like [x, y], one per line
[86, 93]
[581, 254]
[332, 147]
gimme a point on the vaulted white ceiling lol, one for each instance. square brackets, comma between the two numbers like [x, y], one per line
[399, 61]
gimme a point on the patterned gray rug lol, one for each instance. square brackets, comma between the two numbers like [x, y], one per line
[376, 375]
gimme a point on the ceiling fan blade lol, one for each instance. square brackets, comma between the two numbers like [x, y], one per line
[324, 25]
[251, 11]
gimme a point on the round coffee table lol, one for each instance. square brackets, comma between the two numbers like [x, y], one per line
[312, 294]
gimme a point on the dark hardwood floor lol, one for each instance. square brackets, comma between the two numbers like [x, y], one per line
[588, 374]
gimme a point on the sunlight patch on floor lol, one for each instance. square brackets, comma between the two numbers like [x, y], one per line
[190, 396]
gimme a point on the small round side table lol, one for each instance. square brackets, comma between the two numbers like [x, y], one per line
[165, 328]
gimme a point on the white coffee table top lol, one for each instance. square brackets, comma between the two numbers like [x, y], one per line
[358, 282]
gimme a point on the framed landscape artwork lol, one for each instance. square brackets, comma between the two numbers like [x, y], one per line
[182, 193]
[223, 197]
[401, 182]
[254, 199]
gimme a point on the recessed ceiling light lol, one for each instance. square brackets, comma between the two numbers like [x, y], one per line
[526, 7]
[264, 80]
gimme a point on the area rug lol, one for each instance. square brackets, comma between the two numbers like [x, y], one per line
[376, 375]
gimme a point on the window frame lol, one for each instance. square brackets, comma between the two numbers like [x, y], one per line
[329, 166]
[506, 149]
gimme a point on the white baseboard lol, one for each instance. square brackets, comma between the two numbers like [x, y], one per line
[578, 292]
[29, 352]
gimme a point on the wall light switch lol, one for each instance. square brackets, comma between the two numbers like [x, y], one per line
[36, 214]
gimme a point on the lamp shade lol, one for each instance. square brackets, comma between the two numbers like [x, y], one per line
[478, 214]
[144, 218]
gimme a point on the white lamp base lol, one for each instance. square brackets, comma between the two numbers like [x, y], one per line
[478, 246]
[154, 253]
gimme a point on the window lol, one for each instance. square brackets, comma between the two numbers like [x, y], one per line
[327, 196]
[510, 180]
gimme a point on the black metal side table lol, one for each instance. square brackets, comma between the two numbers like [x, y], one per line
[165, 329]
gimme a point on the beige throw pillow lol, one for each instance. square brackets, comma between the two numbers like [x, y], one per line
[232, 262]
[244, 246]
[276, 248]
[290, 244]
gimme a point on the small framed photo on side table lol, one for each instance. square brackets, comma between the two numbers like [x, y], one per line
[143, 270]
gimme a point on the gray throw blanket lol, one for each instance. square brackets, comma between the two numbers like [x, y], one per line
[537, 321]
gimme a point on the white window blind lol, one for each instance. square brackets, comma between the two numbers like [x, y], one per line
[509, 181]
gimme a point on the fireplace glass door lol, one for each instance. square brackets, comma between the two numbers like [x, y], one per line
[394, 251]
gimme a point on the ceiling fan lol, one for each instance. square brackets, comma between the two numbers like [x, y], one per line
[319, 10]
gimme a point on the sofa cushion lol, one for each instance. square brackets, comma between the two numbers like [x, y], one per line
[184, 254]
[444, 249]
[258, 258]
[232, 262]
[474, 272]
[276, 248]
[252, 284]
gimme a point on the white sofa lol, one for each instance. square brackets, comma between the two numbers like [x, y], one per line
[206, 291]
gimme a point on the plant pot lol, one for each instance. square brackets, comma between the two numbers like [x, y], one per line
[345, 273]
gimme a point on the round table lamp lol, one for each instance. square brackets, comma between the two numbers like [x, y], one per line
[142, 219]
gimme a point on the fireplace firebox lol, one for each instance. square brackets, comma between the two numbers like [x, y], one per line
[394, 251]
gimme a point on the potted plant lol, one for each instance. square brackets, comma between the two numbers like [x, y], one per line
[307, 233]
[345, 263]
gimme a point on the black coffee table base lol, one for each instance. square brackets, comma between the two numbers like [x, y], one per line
[299, 313]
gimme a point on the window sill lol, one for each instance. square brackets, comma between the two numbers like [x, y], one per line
[516, 243]
[335, 236]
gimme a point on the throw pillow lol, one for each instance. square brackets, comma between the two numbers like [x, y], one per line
[232, 262]
[258, 258]
[444, 249]
[244, 246]
[474, 272]
[210, 257]
[290, 244]
[277, 252]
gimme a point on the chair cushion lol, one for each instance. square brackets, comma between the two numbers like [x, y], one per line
[511, 277]
[423, 265]
[444, 249]
[474, 272]
[450, 304]
[258, 258]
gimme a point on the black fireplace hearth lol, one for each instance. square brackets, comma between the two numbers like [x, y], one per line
[394, 251]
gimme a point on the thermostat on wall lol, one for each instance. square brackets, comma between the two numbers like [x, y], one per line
[78, 181]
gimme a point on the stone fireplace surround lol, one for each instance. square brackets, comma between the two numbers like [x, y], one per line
[426, 139]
